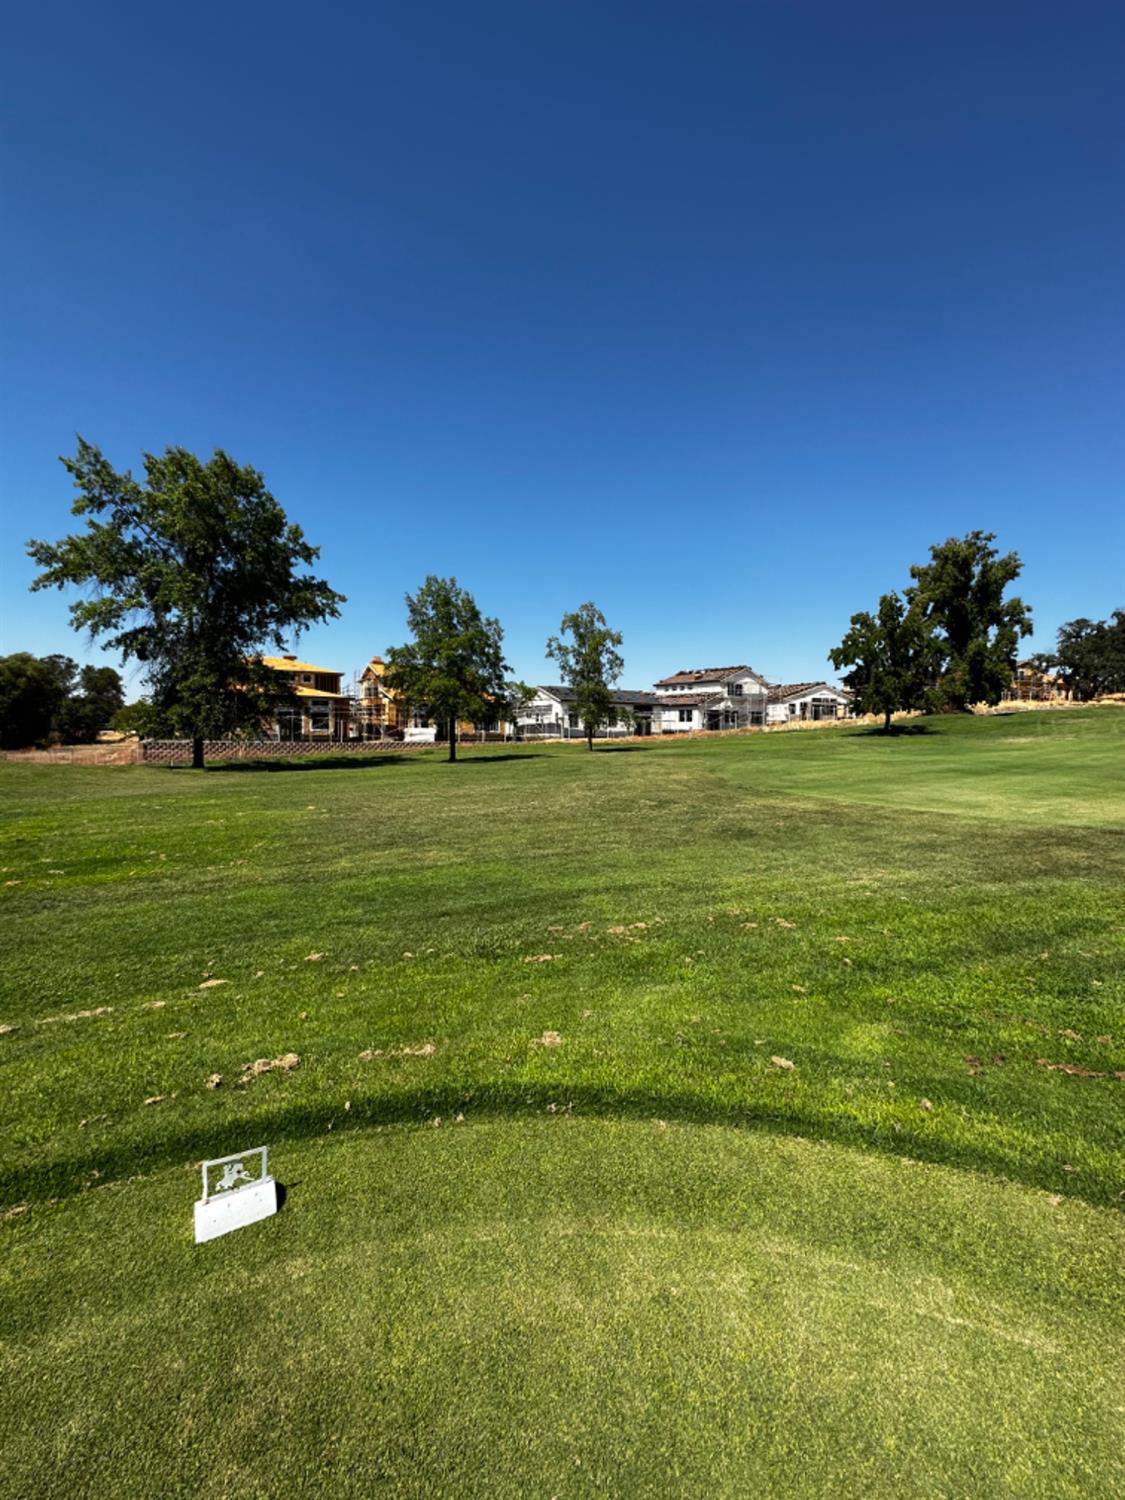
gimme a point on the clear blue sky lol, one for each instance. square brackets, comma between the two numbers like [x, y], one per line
[717, 314]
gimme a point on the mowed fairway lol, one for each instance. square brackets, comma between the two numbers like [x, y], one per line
[561, 1218]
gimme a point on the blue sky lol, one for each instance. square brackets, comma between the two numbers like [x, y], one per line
[717, 314]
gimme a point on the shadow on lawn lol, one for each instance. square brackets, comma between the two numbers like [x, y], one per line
[488, 760]
[358, 762]
[514, 1100]
[327, 763]
[895, 732]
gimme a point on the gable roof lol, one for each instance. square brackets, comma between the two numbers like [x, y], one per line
[291, 664]
[708, 674]
[780, 691]
[622, 696]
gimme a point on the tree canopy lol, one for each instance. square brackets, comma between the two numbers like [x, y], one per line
[589, 663]
[51, 698]
[191, 573]
[453, 667]
[894, 659]
[31, 695]
[90, 707]
[1089, 656]
[960, 592]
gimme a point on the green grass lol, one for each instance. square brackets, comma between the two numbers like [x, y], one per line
[644, 1261]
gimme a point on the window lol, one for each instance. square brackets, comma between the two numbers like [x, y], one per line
[734, 690]
[686, 715]
[320, 717]
[792, 708]
[572, 720]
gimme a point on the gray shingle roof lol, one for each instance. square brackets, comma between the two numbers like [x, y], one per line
[691, 700]
[707, 674]
[782, 690]
[624, 696]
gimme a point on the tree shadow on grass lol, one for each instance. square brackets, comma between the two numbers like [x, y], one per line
[489, 760]
[895, 732]
[515, 1100]
[324, 763]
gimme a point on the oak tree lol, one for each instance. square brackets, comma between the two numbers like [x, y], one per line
[960, 592]
[893, 658]
[191, 573]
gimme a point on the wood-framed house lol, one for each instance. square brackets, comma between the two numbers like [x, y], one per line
[1032, 685]
[710, 698]
[379, 713]
[321, 711]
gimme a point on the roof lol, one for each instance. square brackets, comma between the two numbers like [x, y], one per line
[707, 674]
[623, 695]
[692, 700]
[782, 690]
[311, 692]
[290, 664]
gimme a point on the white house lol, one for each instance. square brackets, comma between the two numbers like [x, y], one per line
[709, 698]
[551, 715]
[793, 701]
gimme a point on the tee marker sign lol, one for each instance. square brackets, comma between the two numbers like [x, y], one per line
[233, 1196]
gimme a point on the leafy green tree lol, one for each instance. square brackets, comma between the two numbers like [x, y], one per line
[137, 718]
[32, 691]
[589, 663]
[1090, 656]
[893, 658]
[91, 708]
[961, 594]
[454, 666]
[192, 574]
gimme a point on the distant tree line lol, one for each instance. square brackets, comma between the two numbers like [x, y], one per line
[948, 641]
[51, 700]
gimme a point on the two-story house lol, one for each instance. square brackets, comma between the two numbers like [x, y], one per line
[380, 714]
[709, 698]
[321, 710]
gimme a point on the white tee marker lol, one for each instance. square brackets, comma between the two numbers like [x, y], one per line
[232, 1196]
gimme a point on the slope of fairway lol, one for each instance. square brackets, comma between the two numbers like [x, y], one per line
[741, 1116]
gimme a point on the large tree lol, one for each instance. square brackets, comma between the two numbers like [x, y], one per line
[453, 667]
[192, 574]
[32, 692]
[1090, 656]
[91, 707]
[961, 594]
[589, 663]
[893, 657]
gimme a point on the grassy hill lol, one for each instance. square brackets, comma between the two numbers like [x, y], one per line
[724, 1118]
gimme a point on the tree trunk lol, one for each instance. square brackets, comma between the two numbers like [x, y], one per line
[589, 737]
[453, 739]
[197, 753]
[886, 721]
